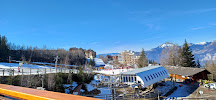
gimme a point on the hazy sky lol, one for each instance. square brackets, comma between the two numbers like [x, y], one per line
[107, 25]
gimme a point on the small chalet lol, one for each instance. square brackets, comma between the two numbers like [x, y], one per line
[182, 73]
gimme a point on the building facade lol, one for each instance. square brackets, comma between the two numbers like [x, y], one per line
[90, 54]
[128, 57]
[146, 76]
[179, 74]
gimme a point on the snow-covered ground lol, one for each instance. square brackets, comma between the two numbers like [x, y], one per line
[53, 64]
[90, 87]
[15, 65]
[98, 62]
[168, 85]
[183, 91]
[7, 69]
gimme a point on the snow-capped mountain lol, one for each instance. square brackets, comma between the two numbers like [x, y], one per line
[111, 54]
[204, 51]
[167, 44]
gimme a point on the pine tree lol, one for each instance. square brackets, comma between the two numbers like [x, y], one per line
[187, 58]
[4, 50]
[198, 64]
[142, 61]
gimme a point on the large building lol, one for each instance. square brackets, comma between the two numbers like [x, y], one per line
[146, 76]
[90, 54]
[128, 57]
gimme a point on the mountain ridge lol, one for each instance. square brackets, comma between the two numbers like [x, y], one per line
[204, 51]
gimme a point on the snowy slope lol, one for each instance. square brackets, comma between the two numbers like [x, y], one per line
[12, 65]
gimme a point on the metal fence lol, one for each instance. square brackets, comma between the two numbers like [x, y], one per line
[34, 71]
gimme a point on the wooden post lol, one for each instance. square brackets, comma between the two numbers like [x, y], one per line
[22, 71]
[45, 70]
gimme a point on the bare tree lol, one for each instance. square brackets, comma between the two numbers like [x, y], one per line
[66, 60]
[51, 81]
[173, 56]
[170, 56]
[164, 57]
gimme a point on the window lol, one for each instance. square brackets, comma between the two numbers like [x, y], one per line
[135, 78]
[165, 72]
[132, 78]
[121, 78]
[126, 79]
[159, 74]
[151, 76]
[154, 75]
[129, 79]
[146, 79]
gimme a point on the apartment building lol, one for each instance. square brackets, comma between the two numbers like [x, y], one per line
[128, 57]
[90, 54]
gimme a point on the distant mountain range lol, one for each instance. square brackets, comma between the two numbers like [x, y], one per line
[204, 51]
[112, 54]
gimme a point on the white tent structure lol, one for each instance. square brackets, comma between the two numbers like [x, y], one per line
[146, 76]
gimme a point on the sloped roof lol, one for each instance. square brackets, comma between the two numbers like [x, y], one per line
[184, 71]
[98, 62]
[133, 72]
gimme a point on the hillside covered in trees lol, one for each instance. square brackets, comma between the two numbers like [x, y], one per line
[35, 54]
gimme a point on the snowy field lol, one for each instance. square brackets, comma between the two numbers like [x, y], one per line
[162, 90]
[112, 72]
[183, 91]
[90, 87]
[7, 69]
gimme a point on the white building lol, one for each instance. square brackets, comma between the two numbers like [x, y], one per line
[146, 76]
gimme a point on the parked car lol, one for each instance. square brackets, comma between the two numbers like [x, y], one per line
[210, 85]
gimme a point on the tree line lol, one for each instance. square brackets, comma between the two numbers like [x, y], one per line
[35, 54]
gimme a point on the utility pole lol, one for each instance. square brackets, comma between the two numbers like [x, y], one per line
[56, 62]
[9, 59]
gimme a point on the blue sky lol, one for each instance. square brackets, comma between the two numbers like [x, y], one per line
[107, 25]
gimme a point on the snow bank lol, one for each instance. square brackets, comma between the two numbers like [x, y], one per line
[15, 65]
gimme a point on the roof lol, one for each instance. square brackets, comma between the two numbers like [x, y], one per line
[98, 62]
[34, 94]
[133, 72]
[184, 71]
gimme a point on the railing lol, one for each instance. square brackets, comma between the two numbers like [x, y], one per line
[34, 71]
